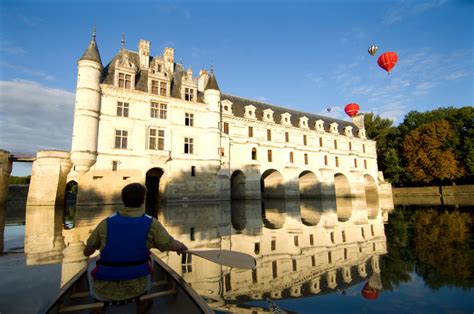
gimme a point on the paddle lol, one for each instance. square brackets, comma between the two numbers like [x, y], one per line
[226, 258]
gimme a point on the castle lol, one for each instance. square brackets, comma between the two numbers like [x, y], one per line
[147, 119]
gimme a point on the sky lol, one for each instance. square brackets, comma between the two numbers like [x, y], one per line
[304, 55]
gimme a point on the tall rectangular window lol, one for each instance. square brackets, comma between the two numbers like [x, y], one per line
[269, 135]
[287, 137]
[355, 162]
[273, 245]
[155, 87]
[295, 239]
[122, 109]
[163, 88]
[125, 80]
[121, 139]
[365, 164]
[188, 145]
[114, 165]
[335, 144]
[350, 145]
[156, 139]
[294, 265]
[226, 127]
[270, 157]
[363, 148]
[254, 276]
[274, 269]
[186, 263]
[311, 239]
[305, 140]
[305, 159]
[188, 94]
[254, 153]
[250, 131]
[189, 119]
[320, 142]
[326, 160]
[292, 159]
[337, 161]
[158, 110]
[313, 260]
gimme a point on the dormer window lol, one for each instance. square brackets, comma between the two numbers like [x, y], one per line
[348, 131]
[319, 125]
[124, 80]
[333, 128]
[286, 118]
[303, 122]
[189, 94]
[226, 106]
[159, 88]
[250, 112]
[362, 133]
[268, 115]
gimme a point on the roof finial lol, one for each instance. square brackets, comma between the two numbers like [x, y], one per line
[212, 68]
[123, 40]
[94, 33]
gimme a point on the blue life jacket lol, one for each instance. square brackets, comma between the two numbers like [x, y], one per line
[125, 255]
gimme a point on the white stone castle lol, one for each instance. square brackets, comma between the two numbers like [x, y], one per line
[147, 119]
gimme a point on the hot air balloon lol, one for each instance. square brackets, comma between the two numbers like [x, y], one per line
[329, 109]
[369, 292]
[387, 61]
[373, 50]
[352, 109]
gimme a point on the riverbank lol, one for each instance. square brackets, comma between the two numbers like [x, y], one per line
[452, 195]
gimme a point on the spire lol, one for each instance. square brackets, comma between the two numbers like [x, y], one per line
[123, 40]
[92, 51]
[212, 82]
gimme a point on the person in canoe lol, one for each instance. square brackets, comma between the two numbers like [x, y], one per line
[124, 239]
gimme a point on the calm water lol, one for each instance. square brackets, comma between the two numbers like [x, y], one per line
[324, 256]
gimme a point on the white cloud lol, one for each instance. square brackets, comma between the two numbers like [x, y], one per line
[10, 49]
[34, 117]
[405, 9]
[426, 85]
[261, 98]
[455, 75]
[25, 70]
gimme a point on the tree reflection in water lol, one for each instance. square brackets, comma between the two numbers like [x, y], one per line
[434, 243]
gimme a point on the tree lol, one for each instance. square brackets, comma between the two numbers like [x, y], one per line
[428, 153]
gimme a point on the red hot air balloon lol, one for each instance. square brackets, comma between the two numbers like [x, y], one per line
[369, 292]
[387, 61]
[352, 109]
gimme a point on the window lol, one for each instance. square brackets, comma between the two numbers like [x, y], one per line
[250, 131]
[320, 142]
[121, 139]
[335, 144]
[122, 109]
[295, 239]
[191, 234]
[254, 275]
[154, 87]
[158, 110]
[355, 162]
[345, 254]
[337, 161]
[362, 232]
[365, 164]
[269, 135]
[287, 137]
[294, 265]
[188, 145]
[227, 282]
[313, 261]
[254, 153]
[159, 88]
[305, 141]
[326, 160]
[188, 94]
[189, 119]
[363, 148]
[291, 157]
[163, 89]
[311, 239]
[332, 237]
[273, 244]
[193, 171]
[305, 159]
[350, 145]
[256, 248]
[270, 159]
[114, 165]
[156, 139]
[343, 236]
[226, 127]
[125, 80]
[330, 257]
[274, 269]
[186, 263]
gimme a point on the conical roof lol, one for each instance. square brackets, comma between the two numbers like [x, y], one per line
[212, 83]
[92, 52]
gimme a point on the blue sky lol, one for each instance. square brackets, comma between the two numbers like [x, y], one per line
[304, 55]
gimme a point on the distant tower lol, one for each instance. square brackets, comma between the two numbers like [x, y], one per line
[87, 108]
[212, 98]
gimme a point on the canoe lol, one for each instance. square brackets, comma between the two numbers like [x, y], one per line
[169, 294]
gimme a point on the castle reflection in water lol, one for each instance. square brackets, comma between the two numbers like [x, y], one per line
[302, 247]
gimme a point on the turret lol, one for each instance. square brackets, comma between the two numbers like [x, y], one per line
[212, 94]
[87, 108]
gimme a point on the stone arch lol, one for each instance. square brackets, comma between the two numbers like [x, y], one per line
[342, 185]
[371, 196]
[272, 184]
[237, 185]
[308, 184]
[152, 182]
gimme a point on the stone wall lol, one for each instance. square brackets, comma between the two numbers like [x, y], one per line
[457, 195]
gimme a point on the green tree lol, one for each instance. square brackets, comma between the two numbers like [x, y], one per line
[428, 154]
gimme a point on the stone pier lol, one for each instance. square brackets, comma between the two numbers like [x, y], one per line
[5, 170]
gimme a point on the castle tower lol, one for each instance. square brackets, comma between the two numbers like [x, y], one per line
[87, 109]
[212, 97]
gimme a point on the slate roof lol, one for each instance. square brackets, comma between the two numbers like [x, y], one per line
[92, 52]
[238, 109]
[212, 83]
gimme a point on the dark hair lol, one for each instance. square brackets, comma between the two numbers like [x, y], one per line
[133, 195]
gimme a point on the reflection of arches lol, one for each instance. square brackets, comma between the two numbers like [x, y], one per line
[341, 183]
[310, 212]
[237, 216]
[237, 185]
[273, 214]
[343, 208]
[152, 183]
[308, 185]
[371, 196]
[272, 184]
